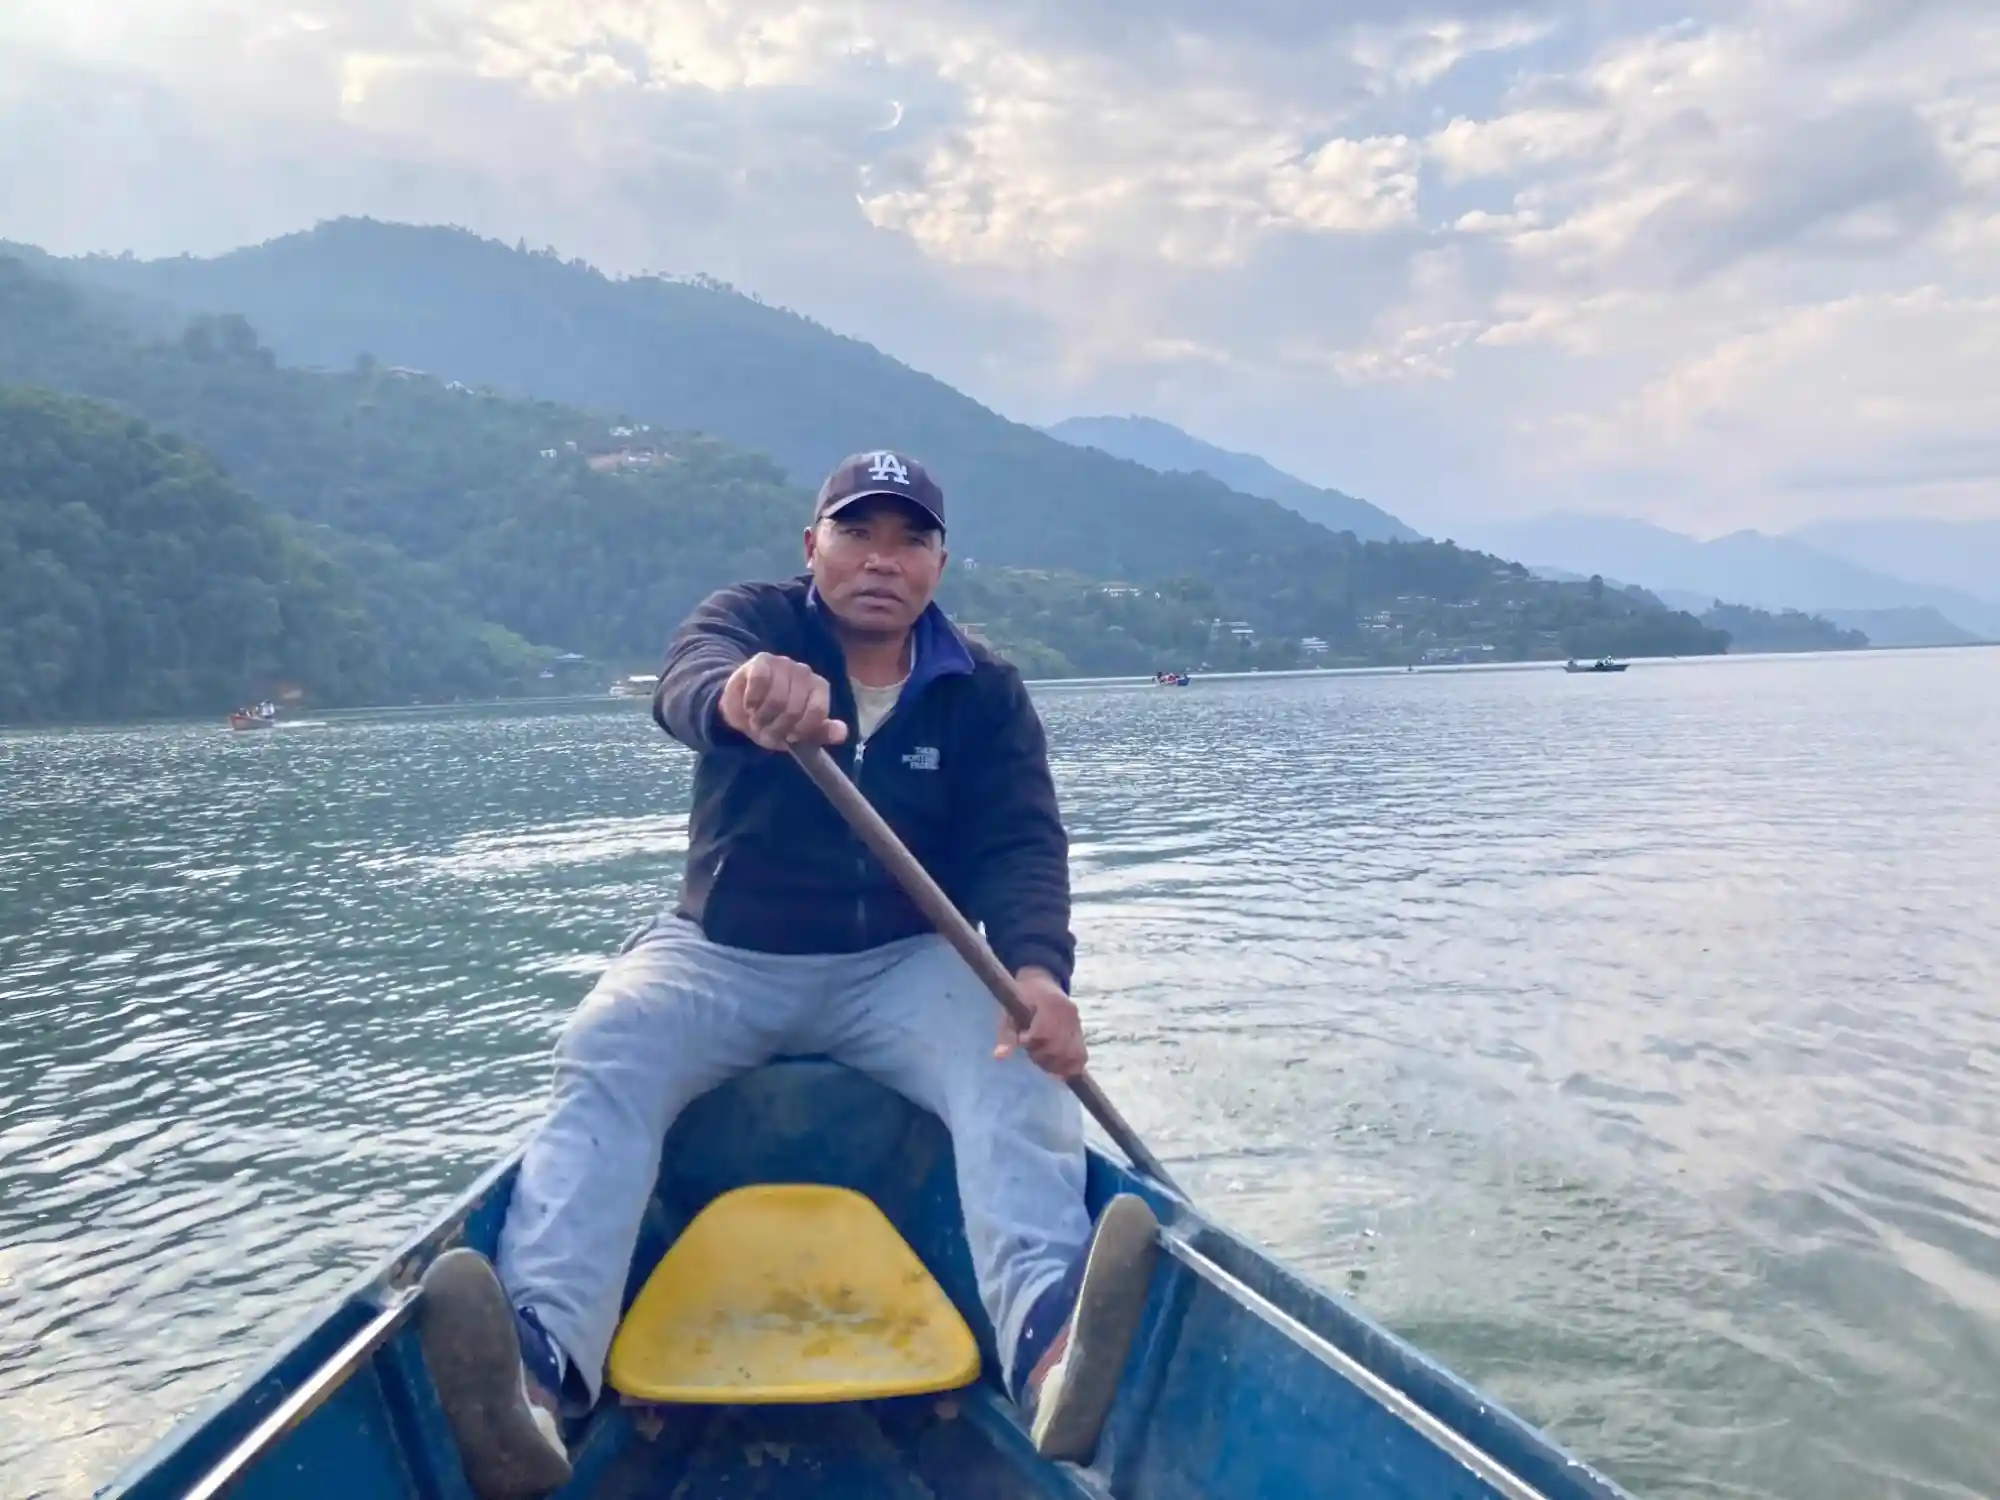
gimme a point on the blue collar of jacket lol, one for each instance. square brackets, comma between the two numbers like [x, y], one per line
[936, 647]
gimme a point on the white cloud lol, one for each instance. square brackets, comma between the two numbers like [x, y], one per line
[1418, 54]
[1534, 252]
[1824, 385]
[1512, 144]
[1504, 225]
[680, 43]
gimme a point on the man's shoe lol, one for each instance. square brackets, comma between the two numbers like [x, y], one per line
[1070, 1389]
[497, 1377]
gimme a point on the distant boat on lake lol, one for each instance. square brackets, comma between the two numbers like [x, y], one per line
[639, 685]
[1602, 664]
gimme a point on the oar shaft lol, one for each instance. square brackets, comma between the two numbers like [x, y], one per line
[956, 930]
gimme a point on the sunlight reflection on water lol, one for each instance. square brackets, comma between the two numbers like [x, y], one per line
[1628, 1043]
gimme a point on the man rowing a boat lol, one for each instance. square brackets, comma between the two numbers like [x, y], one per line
[788, 938]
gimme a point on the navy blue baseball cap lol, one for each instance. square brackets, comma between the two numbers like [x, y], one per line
[879, 472]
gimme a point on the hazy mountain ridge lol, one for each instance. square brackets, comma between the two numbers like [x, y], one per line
[1750, 628]
[1169, 449]
[1745, 567]
[1963, 556]
[1894, 628]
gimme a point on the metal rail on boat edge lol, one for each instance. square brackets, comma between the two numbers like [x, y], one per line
[1442, 1433]
[234, 1465]
[312, 1394]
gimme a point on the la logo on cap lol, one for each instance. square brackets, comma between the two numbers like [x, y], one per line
[885, 465]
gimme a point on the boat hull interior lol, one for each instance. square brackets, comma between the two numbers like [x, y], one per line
[1245, 1381]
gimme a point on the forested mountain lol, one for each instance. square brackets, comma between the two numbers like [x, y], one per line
[696, 356]
[135, 579]
[1788, 630]
[1891, 628]
[544, 515]
[593, 533]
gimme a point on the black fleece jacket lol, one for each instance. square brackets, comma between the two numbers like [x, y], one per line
[959, 769]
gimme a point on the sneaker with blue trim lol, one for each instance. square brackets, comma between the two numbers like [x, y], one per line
[498, 1376]
[1072, 1379]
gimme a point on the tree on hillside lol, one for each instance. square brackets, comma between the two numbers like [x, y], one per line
[135, 579]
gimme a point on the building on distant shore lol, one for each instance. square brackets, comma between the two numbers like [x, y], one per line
[628, 458]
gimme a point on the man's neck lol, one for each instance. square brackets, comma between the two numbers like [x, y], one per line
[876, 661]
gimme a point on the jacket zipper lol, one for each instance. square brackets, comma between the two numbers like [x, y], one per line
[861, 849]
[860, 855]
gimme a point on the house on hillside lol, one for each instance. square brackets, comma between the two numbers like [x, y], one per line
[628, 458]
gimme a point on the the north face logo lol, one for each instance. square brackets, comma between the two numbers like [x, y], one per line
[923, 758]
[887, 466]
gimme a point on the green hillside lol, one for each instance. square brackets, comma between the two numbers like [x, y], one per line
[498, 498]
[696, 355]
[1789, 630]
[135, 579]
[593, 533]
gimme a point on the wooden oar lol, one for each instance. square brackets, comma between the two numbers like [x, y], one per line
[935, 904]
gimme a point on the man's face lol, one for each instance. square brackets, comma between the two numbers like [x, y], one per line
[876, 564]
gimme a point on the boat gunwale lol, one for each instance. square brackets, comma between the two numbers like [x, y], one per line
[227, 1418]
[329, 1322]
[1529, 1452]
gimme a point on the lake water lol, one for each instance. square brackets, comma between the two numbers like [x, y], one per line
[1628, 1042]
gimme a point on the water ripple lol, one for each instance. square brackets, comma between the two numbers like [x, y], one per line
[1629, 1043]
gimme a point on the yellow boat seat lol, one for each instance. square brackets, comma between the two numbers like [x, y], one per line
[790, 1292]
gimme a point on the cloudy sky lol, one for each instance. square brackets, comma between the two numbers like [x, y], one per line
[1717, 263]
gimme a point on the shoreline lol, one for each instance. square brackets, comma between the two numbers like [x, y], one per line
[1069, 684]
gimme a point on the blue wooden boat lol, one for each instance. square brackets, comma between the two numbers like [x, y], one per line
[1245, 1382]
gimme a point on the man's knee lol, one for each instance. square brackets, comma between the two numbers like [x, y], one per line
[936, 996]
[631, 999]
[1012, 1104]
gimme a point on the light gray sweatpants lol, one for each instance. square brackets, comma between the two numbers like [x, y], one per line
[674, 1015]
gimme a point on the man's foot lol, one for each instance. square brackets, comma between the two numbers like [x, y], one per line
[497, 1376]
[1070, 1389]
